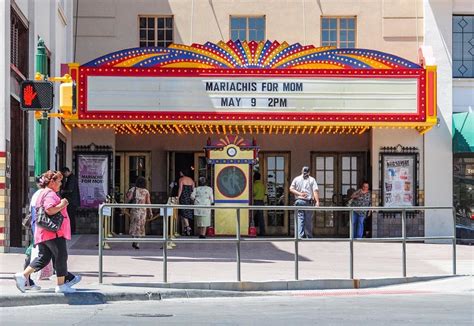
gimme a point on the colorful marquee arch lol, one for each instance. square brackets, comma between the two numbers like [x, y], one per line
[251, 55]
[253, 60]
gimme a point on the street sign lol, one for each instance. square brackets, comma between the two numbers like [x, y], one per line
[36, 95]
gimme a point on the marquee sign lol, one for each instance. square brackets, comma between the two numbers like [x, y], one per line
[254, 82]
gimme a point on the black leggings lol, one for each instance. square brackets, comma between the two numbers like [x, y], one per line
[55, 248]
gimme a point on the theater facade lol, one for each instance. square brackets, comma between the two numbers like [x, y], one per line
[350, 114]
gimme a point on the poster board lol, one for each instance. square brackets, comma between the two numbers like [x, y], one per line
[399, 180]
[93, 178]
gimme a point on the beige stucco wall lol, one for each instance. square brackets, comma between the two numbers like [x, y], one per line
[104, 26]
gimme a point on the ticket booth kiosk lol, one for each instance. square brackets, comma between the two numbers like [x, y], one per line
[232, 157]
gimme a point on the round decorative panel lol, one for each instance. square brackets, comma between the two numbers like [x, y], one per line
[231, 181]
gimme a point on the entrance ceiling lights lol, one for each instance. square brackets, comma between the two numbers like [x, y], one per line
[210, 129]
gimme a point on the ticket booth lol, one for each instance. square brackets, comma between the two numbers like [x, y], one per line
[232, 157]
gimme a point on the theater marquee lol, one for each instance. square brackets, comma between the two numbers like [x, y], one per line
[255, 84]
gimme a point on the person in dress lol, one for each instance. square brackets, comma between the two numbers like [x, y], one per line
[202, 195]
[51, 245]
[138, 195]
[186, 187]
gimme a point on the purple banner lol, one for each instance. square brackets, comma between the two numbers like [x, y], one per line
[93, 179]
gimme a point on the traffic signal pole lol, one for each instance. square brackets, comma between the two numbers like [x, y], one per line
[41, 124]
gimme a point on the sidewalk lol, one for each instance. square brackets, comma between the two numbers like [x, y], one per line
[210, 269]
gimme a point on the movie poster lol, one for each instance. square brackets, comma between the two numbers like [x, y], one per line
[398, 182]
[93, 176]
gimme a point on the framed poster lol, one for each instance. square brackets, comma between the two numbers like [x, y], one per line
[93, 178]
[399, 180]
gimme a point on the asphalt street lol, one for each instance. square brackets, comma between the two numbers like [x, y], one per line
[442, 302]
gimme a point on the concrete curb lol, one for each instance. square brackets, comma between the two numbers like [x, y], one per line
[163, 291]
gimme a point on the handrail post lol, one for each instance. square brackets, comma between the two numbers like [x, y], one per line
[238, 246]
[404, 243]
[351, 244]
[101, 240]
[454, 241]
[165, 245]
[296, 246]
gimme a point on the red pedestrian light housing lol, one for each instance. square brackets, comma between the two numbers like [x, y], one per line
[36, 95]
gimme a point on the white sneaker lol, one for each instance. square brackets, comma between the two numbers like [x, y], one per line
[33, 287]
[20, 280]
[64, 289]
[74, 281]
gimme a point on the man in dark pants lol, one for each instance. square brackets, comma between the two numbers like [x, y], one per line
[306, 192]
[70, 191]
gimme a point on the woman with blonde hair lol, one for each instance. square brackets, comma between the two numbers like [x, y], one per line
[51, 244]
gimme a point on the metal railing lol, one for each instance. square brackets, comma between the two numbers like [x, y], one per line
[237, 240]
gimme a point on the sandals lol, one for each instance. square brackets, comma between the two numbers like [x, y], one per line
[188, 231]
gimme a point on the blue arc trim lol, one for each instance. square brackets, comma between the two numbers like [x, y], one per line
[231, 201]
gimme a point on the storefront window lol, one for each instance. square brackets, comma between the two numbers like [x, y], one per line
[156, 31]
[339, 32]
[247, 28]
[463, 188]
[463, 46]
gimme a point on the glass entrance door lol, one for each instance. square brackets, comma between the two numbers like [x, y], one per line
[335, 174]
[128, 167]
[274, 168]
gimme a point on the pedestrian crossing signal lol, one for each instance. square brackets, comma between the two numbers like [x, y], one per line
[36, 95]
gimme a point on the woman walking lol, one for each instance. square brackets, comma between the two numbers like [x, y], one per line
[202, 195]
[138, 195]
[360, 198]
[51, 244]
[186, 187]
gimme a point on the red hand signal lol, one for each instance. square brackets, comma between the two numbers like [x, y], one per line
[28, 95]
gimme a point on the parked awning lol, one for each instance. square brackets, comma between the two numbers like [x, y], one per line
[463, 132]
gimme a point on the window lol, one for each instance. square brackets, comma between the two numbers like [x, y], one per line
[247, 28]
[339, 32]
[19, 44]
[156, 31]
[463, 46]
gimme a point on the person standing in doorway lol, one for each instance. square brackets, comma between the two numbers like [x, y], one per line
[360, 198]
[70, 191]
[186, 187]
[202, 195]
[306, 192]
[258, 191]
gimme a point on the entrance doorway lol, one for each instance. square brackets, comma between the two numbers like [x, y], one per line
[274, 168]
[335, 174]
[193, 162]
[128, 167]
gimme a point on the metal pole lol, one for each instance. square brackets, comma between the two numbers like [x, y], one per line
[351, 244]
[238, 246]
[404, 243]
[454, 241]
[101, 240]
[165, 245]
[297, 258]
[41, 125]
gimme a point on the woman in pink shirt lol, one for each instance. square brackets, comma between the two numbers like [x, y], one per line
[51, 244]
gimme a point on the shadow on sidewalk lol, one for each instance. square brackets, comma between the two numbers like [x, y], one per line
[262, 252]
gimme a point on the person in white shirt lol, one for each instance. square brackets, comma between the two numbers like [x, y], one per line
[306, 192]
